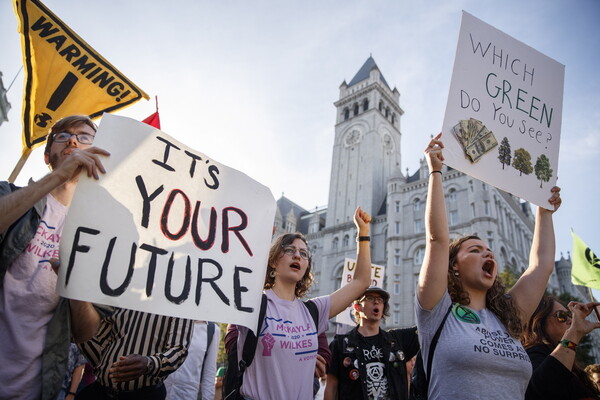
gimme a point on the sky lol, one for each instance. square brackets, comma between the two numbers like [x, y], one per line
[252, 83]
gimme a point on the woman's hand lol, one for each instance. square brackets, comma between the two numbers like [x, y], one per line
[433, 153]
[555, 200]
[362, 220]
[580, 326]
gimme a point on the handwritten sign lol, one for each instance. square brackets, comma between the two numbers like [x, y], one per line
[377, 274]
[167, 230]
[504, 112]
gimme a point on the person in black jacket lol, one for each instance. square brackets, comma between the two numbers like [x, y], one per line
[551, 339]
[369, 362]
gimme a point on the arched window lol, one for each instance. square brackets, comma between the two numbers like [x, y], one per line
[365, 105]
[452, 195]
[393, 119]
[419, 254]
[417, 204]
[381, 106]
[346, 114]
[387, 112]
[346, 241]
[335, 243]
[356, 109]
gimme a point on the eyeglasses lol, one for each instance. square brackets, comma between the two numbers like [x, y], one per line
[83, 138]
[562, 315]
[291, 251]
[373, 299]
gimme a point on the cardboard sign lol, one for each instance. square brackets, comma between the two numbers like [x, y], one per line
[504, 112]
[377, 274]
[167, 230]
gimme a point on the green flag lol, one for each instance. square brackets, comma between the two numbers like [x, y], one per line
[586, 266]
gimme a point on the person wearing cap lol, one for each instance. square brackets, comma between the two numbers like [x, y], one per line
[369, 362]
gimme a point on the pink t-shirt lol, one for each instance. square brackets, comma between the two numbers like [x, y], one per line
[27, 302]
[285, 359]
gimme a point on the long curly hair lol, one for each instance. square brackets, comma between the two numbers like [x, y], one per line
[496, 299]
[276, 253]
[534, 334]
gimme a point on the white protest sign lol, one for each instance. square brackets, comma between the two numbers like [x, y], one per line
[167, 230]
[377, 274]
[504, 112]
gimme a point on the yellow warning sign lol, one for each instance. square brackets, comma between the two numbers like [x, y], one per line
[63, 74]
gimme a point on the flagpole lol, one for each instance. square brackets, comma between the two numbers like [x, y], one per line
[19, 166]
[591, 294]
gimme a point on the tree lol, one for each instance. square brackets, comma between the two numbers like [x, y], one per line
[522, 162]
[542, 169]
[504, 152]
[509, 276]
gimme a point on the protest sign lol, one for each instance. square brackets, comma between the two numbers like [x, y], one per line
[504, 112]
[167, 230]
[377, 274]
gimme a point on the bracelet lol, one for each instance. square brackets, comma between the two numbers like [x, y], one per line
[363, 238]
[568, 344]
[433, 172]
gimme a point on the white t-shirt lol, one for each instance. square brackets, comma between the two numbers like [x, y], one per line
[27, 302]
[286, 352]
[475, 357]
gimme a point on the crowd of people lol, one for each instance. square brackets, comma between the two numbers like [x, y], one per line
[489, 342]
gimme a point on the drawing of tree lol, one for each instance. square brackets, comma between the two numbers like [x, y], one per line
[504, 152]
[522, 162]
[542, 169]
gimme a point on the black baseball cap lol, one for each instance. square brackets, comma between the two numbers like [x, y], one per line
[375, 289]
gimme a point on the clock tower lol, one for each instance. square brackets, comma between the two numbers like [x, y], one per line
[366, 148]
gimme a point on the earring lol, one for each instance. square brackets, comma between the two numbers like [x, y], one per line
[272, 273]
[456, 273]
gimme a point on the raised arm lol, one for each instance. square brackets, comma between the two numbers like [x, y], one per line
[433, 279]
[341, 298]
[530, 287]
[15, 204]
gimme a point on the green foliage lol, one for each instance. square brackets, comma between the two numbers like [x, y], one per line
[504, 154]
[522, 162]
[509, 276]
[542, 169]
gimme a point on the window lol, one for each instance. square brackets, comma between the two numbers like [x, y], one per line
[366, 105]
[346, 241]
[396, 287]
[471, 186]
[397, 227]
[486, 207]
[381, 106]
[418, 225]
[335, 243]
[452, 195]
[473, 209]
[397, 206]
[419, 254]
[355, 109]
[417, 205]
[453, 217]
[397, 256]
[393, 119]
[346, 114]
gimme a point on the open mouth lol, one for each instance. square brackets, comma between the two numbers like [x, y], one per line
[376, 310]
[488, 268]
[295, 266]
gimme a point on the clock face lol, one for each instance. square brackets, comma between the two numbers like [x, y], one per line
[352, 138]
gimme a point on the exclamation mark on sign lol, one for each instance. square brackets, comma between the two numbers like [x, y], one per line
[62, 91]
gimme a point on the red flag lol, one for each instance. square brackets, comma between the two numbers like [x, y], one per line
[154, 119]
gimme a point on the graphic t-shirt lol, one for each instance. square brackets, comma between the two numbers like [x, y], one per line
[27, 302]
[286, 352]
[475, 357]
[377, 383]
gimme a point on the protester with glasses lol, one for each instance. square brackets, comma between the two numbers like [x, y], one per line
[478, 354]
[369, 362]
[34, 320]
[551, 337]
[286, 353]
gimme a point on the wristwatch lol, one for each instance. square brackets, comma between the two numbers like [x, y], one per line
[149, 366]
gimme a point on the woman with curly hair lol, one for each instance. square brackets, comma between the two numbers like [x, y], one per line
[550, 338]
[478, 354]
[286, 352]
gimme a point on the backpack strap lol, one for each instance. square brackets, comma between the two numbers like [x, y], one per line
[252, 339]
[434, 342]
[210, 332]
[314, 311]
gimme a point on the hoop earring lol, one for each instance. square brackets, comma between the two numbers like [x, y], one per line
[272, 273]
